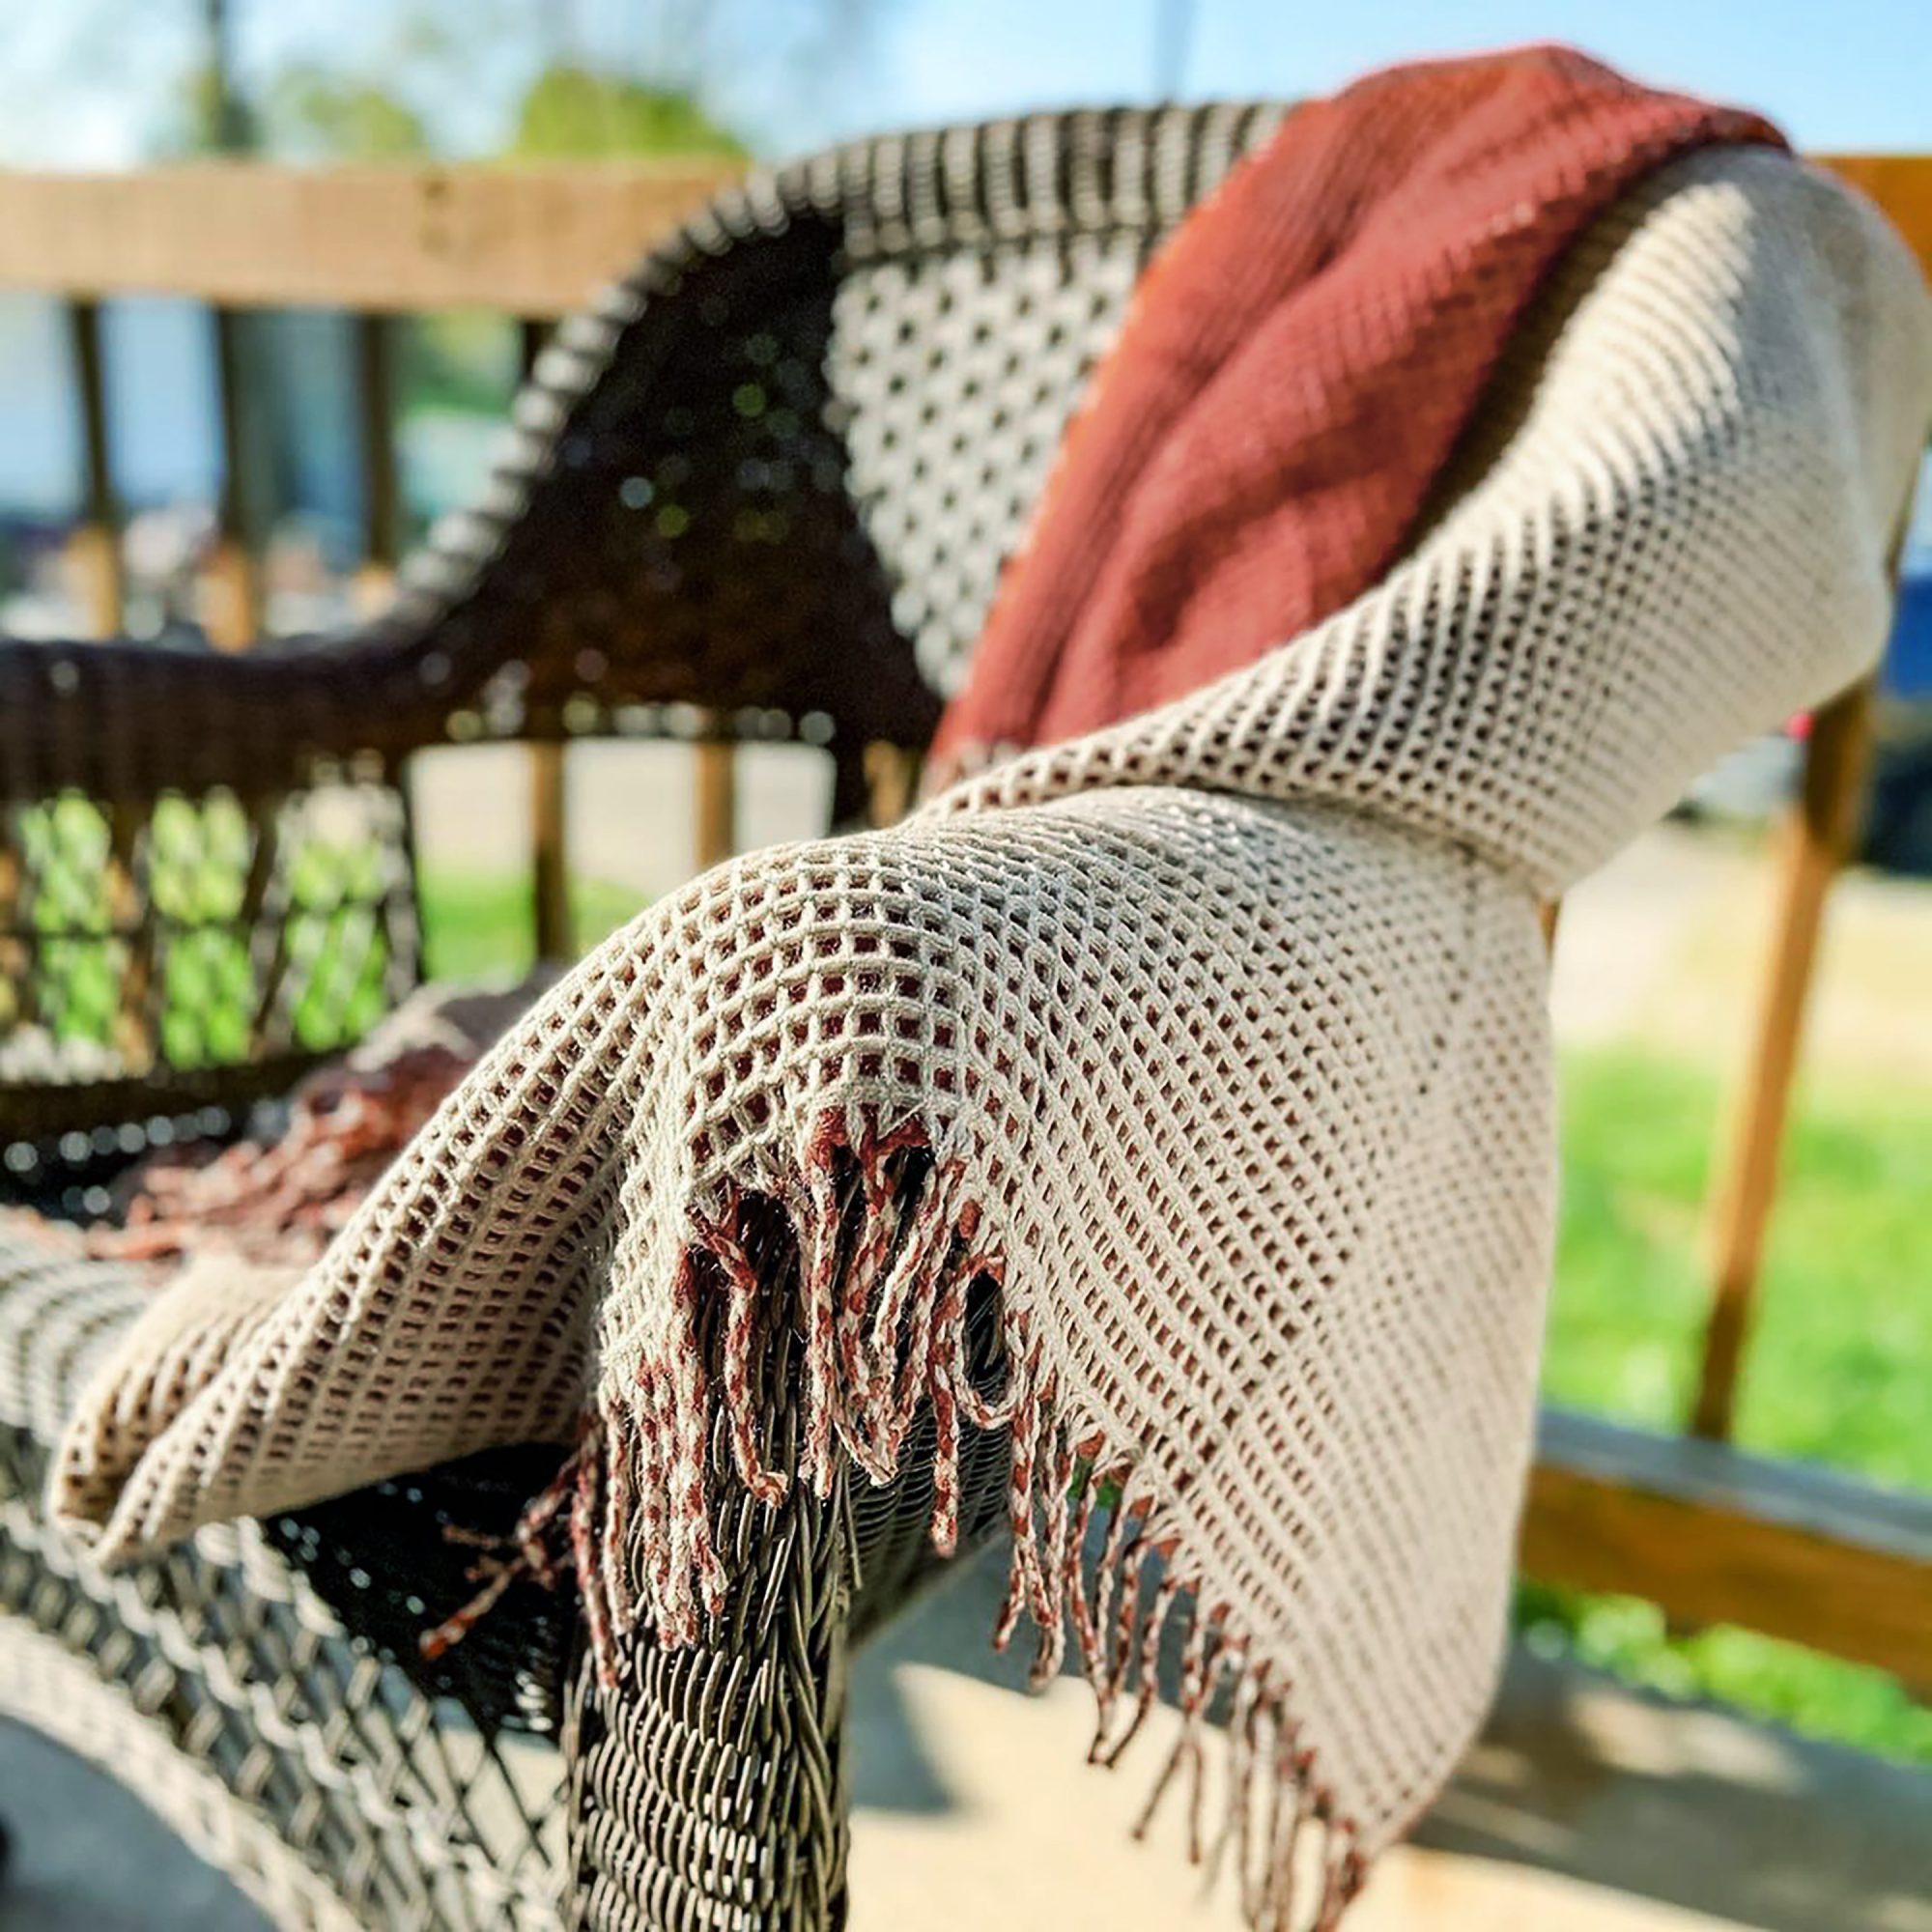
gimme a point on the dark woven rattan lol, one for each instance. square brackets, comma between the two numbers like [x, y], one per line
[764, 491]
[706, 1785]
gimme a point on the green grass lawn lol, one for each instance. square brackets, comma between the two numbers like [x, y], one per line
[478, 925]
[1838, 1369]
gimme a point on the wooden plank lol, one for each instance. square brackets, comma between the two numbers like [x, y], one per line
[1816, 838]
[534, 240]
[1717, 1536]
[95, 548]
[549, 853]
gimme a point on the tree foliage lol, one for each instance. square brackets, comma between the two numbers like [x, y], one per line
[449, 78]
[310, 113]
[572, 112]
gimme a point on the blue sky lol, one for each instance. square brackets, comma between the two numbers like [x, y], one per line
[1836, 73]
[79, 80]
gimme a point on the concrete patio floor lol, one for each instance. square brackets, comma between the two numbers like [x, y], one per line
[1585, 1808]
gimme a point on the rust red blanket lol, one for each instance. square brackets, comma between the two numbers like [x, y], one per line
[1294, 375]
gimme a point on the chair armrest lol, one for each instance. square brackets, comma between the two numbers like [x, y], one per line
[186, 917]
[127, 722]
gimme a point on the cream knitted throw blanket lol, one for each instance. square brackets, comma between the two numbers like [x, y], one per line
[1219, 1038]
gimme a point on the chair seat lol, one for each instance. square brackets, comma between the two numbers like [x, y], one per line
[264, 1686]
[261, 1687]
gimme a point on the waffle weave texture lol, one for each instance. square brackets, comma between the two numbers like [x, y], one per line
[1216, 1039]
[1295, 368]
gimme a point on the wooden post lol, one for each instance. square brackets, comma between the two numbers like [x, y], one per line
[1816, 839]
[891, 773]
[95, 548]
[550, 803]
[131, 918]
[532, 335]
[382, 494]
[549, 853]
[715, 800]
[234, 580]
[267, 929]
[20, 1004]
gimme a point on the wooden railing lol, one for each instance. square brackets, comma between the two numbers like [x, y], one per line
[1710, 1533]
[379, 242]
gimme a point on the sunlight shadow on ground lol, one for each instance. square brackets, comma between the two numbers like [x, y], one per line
[1586, 1806]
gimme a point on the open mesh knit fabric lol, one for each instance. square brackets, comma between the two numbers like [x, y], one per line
[1216, 1039]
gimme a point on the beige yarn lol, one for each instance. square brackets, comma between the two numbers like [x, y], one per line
[1224, 1031]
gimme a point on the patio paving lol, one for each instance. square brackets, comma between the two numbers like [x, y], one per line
[1584, 1809]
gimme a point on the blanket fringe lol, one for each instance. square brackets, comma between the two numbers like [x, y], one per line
[888, 1253]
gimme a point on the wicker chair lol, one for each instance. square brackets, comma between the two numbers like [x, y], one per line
[763, 490]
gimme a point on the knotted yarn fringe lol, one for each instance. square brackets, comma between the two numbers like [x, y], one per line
[887, 1252]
